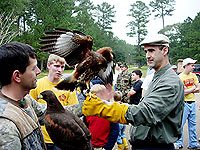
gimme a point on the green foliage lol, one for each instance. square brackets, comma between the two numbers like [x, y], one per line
[139, 14]
[83, 17]
[105, 14]
[15, 6]
[34, 17]
[185, 39]
[162, 8]
[190, 37]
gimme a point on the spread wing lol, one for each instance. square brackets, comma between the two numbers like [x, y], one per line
[74, 46]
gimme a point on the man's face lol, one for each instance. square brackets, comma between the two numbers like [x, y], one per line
[190, 67]
[154, 56]
[117, 67]
[56, 69]
[123, 68]
[29, 77]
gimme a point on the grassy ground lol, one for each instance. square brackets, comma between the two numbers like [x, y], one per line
[143, 69]
[131, 68]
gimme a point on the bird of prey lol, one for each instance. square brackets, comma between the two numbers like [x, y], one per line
[66, 130]
[76, 48]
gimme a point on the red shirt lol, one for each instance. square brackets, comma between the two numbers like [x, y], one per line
[99, 129]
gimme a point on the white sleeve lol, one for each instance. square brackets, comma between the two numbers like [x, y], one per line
[146, 81]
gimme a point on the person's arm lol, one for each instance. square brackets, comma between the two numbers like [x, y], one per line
[9, 135]
[197, 89]
[39, 109]
[76, 109]
[131, 92]
[113, 112]
[157, 105]
[136, 88]
[190, 90]
[147, 112]
[193, 89]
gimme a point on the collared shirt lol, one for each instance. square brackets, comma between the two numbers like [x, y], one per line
[158, 116]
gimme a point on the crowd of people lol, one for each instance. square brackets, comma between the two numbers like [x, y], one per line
[155, 108]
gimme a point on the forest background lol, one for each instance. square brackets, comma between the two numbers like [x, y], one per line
[27, 21]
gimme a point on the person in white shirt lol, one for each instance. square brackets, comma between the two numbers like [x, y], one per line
[147, 80]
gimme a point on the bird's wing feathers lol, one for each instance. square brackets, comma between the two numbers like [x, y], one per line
[90, 67]
[58, 43]
[107, 74]
[66, 43]
[67, 131]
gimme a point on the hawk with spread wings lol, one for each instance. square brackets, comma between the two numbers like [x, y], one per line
[76, 48]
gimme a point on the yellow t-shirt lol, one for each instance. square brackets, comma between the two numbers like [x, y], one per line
[189, 81]
[65, 98]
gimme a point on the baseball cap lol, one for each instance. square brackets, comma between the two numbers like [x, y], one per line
[188, 61]
[156, 39]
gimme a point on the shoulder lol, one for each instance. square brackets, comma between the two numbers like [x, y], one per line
[171, 81]
[8, 127]
[170, 75]
[140, 82]
[39, 108]
[181, 74]
[167, 80]
[9, 135]
[43, 79]
[3, 104]
[193, 74]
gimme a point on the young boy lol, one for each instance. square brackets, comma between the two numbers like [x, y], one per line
[121, 140]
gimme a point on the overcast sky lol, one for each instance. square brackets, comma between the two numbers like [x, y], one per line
[183, 9]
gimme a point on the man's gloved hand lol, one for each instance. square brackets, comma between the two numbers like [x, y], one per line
[114, 112]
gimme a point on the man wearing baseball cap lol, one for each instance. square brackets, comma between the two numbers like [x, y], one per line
[190, 81]
[156, 120]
